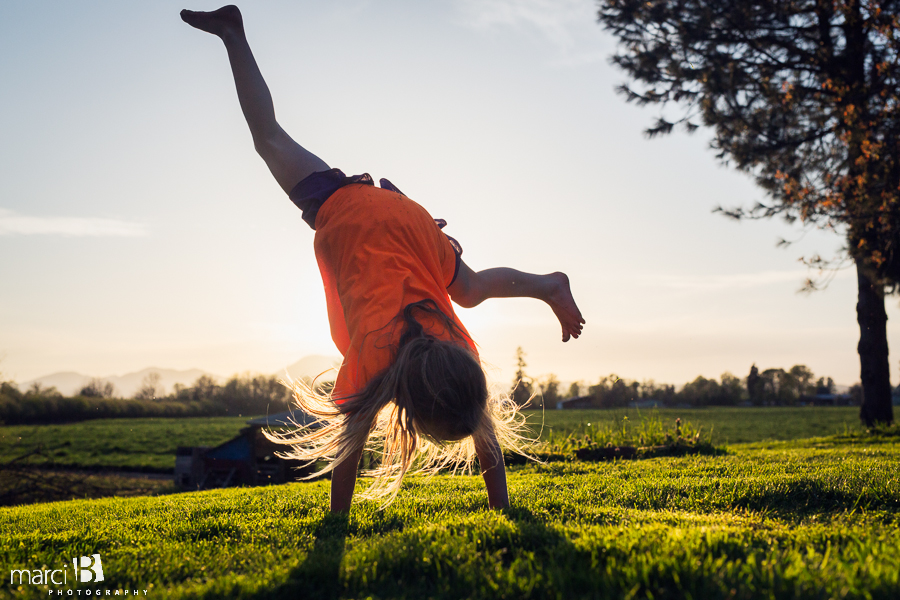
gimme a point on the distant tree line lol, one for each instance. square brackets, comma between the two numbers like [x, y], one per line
[264, 394]
[240, 395]
[771, 387]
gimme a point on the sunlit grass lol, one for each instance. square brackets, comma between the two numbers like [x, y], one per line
[804, 519]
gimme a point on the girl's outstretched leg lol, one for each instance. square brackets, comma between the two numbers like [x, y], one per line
[287, 160]
[471, 289]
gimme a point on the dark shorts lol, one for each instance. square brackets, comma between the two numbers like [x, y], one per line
[310, 194]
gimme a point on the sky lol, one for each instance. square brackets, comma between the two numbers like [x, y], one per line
[139, 228]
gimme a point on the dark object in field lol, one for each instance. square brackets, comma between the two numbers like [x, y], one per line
[596, 453]
[248, 459]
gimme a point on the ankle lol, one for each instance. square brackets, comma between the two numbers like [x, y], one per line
[554, 283]
[232, 35]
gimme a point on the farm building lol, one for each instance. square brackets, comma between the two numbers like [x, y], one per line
[248, 459]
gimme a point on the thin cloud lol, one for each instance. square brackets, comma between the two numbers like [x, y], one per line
[12, 223]
[577, 60]
[559, 22]
[730, 282]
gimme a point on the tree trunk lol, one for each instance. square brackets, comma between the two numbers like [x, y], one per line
[873, 349]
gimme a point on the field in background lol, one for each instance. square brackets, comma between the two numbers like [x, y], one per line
[149, 444]
[130, 444]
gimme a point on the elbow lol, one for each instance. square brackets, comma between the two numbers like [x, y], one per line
[467, 300]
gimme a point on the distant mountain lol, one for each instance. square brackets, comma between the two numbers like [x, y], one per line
[130, 383]
[70, 383]
[67, 382]
[324, 367]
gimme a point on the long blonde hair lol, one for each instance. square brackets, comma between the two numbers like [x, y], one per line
[433, 389]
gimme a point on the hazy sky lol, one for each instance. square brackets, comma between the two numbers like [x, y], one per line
[139, 228]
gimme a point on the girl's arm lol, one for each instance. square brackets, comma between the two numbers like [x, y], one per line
[493, 470]
[471, 289]
[343, 481]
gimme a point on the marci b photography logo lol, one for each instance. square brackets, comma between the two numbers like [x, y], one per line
[87, 570]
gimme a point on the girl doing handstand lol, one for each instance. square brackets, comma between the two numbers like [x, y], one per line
[411, 376]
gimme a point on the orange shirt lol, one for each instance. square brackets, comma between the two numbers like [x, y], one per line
[378, 251]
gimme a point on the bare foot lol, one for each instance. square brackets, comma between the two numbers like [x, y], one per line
[218, 22]
[563, 304]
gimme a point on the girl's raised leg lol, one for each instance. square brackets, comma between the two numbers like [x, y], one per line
[471, 289]
[287, 160]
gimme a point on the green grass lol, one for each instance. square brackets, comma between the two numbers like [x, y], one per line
[133, 444]
[810, 519]
[149, 444]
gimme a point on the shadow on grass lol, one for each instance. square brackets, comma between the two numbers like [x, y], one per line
[806, 497]
[597, 453]
[533, 558]
[403, 574]
[317, 577]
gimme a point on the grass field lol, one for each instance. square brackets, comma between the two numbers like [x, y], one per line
[149, 444]
[809, 519]
[134, 444]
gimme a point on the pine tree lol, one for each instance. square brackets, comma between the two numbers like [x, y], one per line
[523, 387]
[803, 95]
